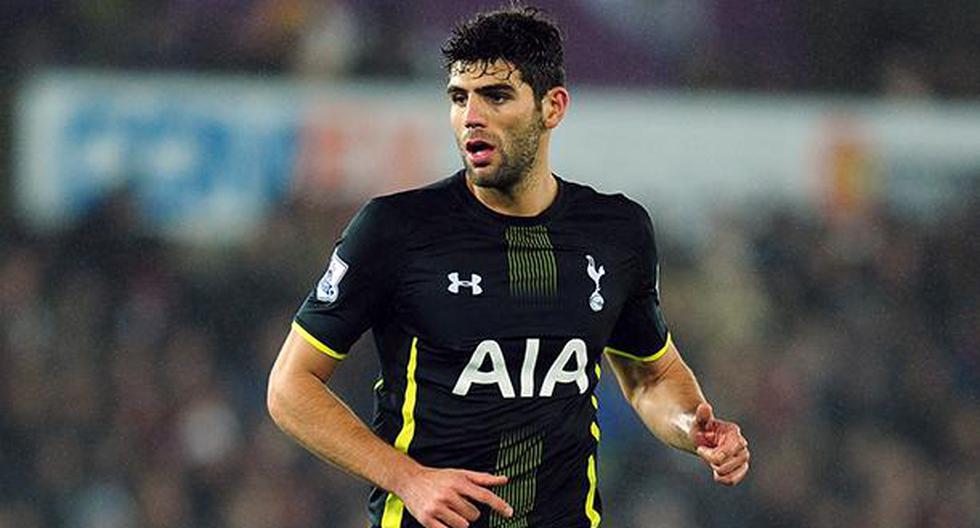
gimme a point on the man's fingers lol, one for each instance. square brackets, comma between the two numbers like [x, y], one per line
[740, 474]
[703, 430]
[728, 456]
[717, 456]
[451, 511]
[705, 438]
[733, 478]
[712, 456]
[453, 519]
[464, 508]
[703, 416]
[485, 479]
[482, 494]
[725, 437]
[731, 447]
[733, 462]
[489, 498]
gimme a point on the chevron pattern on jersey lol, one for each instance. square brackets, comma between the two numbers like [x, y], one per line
[531, 266]
[518, 457]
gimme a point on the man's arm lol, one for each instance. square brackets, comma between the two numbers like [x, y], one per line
[304, 408]
[666, 396]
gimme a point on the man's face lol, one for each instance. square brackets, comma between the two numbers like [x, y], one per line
[497, 123]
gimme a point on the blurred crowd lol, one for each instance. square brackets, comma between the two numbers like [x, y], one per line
[908, 49]
[133, 380]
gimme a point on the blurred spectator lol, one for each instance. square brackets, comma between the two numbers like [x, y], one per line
[329, 41]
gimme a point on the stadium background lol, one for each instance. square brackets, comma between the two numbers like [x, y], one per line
[172, 175]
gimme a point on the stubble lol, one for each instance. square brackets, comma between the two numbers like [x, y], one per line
[516, 158]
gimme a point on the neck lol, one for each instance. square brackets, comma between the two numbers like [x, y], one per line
[530, 197]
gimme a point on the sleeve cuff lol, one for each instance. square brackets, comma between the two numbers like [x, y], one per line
[317, 344]
[652, 357]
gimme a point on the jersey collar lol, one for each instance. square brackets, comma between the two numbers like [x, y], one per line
[474, 205]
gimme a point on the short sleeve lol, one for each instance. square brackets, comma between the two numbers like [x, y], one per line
[641, 332]
[356, 286]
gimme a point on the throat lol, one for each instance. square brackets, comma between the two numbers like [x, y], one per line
[527, 198]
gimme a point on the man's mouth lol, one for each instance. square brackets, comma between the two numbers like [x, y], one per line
[479, 151]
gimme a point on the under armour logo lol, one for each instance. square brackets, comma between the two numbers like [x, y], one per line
[596, 302]
[474, 283]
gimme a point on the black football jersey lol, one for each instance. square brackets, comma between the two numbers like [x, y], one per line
[490, 331]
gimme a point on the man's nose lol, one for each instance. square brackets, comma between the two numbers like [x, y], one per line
[473, 116]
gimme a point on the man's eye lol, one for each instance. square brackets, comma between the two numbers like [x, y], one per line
[458, 98]
[497, 98]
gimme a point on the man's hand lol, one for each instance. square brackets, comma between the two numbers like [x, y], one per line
[721, 445]
[440, 498]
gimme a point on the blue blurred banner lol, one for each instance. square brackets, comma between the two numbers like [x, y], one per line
[203, 158]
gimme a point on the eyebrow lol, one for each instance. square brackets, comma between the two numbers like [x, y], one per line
[483, 90]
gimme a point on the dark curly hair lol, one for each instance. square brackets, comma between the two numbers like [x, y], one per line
[521, 36]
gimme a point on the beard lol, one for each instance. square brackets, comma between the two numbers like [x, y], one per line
[517, 157]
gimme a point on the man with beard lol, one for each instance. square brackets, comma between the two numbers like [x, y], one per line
[492, 296]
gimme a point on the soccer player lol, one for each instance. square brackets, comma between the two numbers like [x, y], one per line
[492, 296]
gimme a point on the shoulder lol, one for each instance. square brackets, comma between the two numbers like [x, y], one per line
[615, 208]
[398, 213]
[615, 218]
[410, 203]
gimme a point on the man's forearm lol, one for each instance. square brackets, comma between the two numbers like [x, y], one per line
[667, 406]
[304, 408]
[665, 396]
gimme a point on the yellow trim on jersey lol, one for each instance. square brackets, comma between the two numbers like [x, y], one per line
[598, 376]
[653, 357]
[404, 437]
[590, 511]
[317, 344]
[394, 507]
[379, 383]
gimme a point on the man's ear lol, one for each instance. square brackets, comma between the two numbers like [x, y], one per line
[554, 104]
